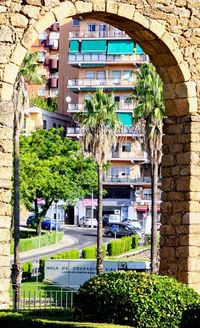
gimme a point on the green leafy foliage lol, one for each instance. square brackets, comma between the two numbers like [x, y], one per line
[138, 299]
[50, 104]
[33, 242]
[123, 245]
[91, 252]
[53, 168]
[46, 318]
[27, 269]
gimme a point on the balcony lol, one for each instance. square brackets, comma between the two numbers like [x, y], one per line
[137, 156]
[111, 34]
[122, 107]
[126, 180]
[81, 59]
[53, 64]
[123, 132]
[53, 82]
[107, 84]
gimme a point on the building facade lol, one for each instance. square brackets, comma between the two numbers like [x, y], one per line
[105, 57]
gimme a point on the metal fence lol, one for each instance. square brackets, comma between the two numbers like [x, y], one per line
[46, 299]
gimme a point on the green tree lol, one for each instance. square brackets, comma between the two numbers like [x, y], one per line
[27, 74]
[149, 112]
[53, 168]
[100, 124]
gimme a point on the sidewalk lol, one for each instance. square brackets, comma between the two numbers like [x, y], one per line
[65, 242]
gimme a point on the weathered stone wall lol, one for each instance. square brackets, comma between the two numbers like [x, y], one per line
[167, 30]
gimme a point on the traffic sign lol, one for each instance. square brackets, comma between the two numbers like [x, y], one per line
[115, 228]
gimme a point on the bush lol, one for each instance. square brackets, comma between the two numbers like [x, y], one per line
[123, 245]
[191, 317]
[91, 252]
[27, 269]
[137, 299]
[33, 242]
[44, 318]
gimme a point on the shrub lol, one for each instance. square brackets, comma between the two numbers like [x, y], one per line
[191, 317]
[27, 269]
[137, 299]
[33, 242]
[91, 252]
[123, 245]
[44, 318]
[135, 240]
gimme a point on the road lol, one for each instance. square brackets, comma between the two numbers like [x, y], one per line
[80, 238]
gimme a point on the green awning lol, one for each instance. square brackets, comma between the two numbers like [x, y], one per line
[93, 46]
[125, 118]
[74, 46]
[139, 50]
[120, 47]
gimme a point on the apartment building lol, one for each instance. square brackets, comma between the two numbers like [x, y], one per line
[105, 57]
[87, 55]
[47, 46]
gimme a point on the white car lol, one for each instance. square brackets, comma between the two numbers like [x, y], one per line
[132, 222]
[87, 222]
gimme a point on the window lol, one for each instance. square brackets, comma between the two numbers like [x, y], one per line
[42, 92]
[125, 170]
[89, 75]
[127, 99]
[127, 75]
[43, 36]
[101, 75]
[91, 27]
[44, 124]
[147, 193]
[116, 76]
[75, 22]
[126, 147]
[102, 30]
[117, 98]
[115, 147]
[114, 171]
[54, 125]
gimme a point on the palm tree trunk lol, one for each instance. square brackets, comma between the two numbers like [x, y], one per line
[16, 272]
[100, 225]
[154, 187]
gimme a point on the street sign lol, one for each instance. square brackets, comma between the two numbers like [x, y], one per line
[115, 228]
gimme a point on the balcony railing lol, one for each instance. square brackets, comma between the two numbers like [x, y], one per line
[116, 34]
[77, 59]
[126, 179]
[122, 106]
[124, 131]
[95, 83]
[132, 156]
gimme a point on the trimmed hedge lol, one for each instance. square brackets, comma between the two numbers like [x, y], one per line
[44, 318]
[72, 254]
[137, 299]
[91, 252]
[27, 269]
[123, 245]
[32, 243]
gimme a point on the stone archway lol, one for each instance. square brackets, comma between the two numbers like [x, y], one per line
[168, 33]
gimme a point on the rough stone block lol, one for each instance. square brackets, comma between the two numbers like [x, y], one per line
[112, 7]
[10, 73]
[6, 91]
[83, 7]
[18, 20]
[29, 37]
[126, 10]
[66, 9]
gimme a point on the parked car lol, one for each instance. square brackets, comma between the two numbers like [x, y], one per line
[122, 230]
[132, 221]
[47, 223]
[87, 222]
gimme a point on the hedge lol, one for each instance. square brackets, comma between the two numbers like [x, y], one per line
[123, 245]
[27, 269]
[91, 252]
[137, 299]
[32, 243]
[23, 319]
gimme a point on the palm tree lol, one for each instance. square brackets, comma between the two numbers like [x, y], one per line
[27, 74]
[150, 112]
[100, 124]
